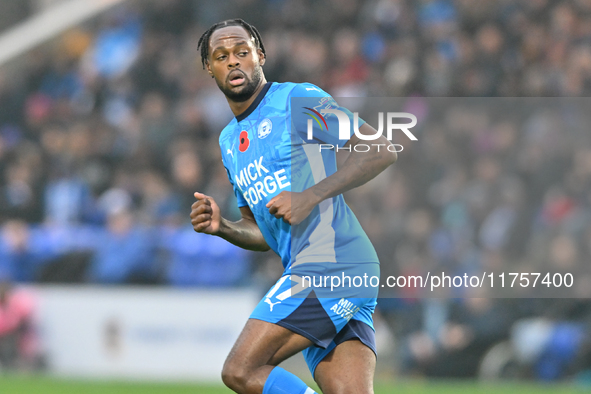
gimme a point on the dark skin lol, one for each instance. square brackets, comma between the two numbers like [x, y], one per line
[234, 62]
[231, 51]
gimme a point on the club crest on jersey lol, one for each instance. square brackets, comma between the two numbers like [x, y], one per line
[265, 128]
[244, 141]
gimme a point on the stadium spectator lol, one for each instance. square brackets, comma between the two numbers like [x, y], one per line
[201, 261]
[18, 348]
[454, 345]
[124, 253]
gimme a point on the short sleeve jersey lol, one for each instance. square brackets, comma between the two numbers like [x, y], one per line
[264, 156]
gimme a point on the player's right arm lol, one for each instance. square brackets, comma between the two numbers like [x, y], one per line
[206, 218]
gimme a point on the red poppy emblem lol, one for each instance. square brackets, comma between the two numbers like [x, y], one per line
[244, 142]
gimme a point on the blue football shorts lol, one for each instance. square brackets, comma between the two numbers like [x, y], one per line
[312, 312]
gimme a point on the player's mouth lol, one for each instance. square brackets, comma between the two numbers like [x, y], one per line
[236, 78]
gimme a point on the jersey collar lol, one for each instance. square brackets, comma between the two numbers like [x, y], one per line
[255, 103]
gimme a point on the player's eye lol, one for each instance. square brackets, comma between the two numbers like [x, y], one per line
[243, 53]
[221, 57]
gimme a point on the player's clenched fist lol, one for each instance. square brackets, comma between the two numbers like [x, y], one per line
[205, 215]
[292, 207]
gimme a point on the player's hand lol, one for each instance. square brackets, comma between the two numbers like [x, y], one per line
[205, 214]
[292, 207]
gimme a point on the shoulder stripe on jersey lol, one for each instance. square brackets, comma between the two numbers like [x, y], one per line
[322, 239]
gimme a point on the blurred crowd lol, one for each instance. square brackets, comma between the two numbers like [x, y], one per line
[106, 133]
[495, 185]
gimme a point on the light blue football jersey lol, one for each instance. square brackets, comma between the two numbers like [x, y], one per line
[265, 151]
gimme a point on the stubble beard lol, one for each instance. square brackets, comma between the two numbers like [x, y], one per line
[247, 90]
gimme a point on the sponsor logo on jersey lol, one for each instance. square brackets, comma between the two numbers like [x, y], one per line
[345, 309]
[256, 181]
[265, 128]
[326, 103]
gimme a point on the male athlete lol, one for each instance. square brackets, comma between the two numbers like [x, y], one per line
[311, 228]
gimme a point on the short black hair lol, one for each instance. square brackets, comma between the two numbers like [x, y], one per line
[204, 40]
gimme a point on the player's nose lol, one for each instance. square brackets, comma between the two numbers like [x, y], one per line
[233, 61]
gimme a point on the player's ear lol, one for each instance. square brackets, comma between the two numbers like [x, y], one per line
[208, 68]
[262, 57]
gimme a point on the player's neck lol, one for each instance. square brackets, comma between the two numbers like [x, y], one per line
[239, 107]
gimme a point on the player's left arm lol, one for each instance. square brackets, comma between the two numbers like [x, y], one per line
[358, 169]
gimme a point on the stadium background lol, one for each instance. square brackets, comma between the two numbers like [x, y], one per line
[108, 128]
